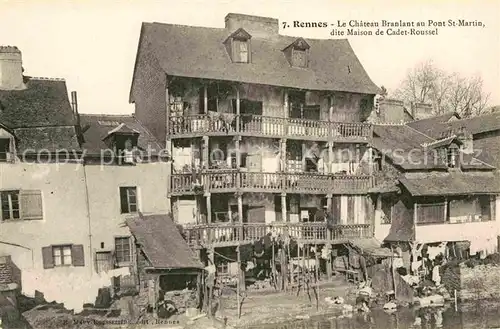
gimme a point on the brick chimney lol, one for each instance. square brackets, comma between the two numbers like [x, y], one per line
[421, 111]
[255, 25]
[11, 68]
[389, 111]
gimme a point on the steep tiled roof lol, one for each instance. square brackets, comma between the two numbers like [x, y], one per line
[434, 127]
[403, 145]
[162, 243]
[199, 52]
[452, 184]
[47, 138]
[40, 116]
[44, 102]
[429, 125]
[97, 126]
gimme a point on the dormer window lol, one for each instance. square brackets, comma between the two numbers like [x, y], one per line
[7, 144]
[124, 141]
[5, 150]
[452, 156]
[297, 53]
[240, 51]
[238, 46]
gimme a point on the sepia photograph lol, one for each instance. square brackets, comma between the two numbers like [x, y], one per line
[190, 164]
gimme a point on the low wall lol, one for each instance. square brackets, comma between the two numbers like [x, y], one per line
[479, 282]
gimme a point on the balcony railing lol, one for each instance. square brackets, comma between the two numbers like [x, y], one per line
[267, 126]
[311, 183]
[234, 233]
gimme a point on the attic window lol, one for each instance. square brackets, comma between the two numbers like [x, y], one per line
[5, 150]
[452, 156]
[239, 46]
[298, 53]
[299, 58]
[240, 51]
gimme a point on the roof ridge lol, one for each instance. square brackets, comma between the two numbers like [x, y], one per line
[46, 78]
[439, 140]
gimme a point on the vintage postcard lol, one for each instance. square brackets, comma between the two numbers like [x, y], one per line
[249, 164]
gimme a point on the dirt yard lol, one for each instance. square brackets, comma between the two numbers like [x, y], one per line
[278, 307]
[259, 307]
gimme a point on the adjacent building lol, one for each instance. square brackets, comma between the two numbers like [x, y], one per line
[67, 184]
[438, 184]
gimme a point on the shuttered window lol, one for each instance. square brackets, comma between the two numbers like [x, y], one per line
[22, 204]
[63, 255]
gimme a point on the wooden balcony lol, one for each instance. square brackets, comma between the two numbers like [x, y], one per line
[231, 234]
[262, 182]
[267, 126]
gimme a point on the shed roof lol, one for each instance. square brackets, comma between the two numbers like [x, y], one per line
[452, 184]
[162, 243]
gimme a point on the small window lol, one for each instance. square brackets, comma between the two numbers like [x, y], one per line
[62, 255]
[4, 149]
[452, 157]
[123, 252]
[223, 269]
[10, 205]
[240, 51]
[128, 199]
[299, 58]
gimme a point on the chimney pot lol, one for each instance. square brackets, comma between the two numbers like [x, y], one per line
[11, 68]
[255, 25]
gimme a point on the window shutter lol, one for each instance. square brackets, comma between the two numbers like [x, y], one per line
[48, 259]
[31, 204]
[123, 200]
[77, 255]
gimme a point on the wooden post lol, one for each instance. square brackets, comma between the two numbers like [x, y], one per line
[205, 99]
[282, 254]
[330, 157]
[206, 157]
[415, 218]
[238, 110]
[273, 266]
[284, 214]
[290, 264]
[393, 272]
[167, 121]
[209, 208]
[316, 267]
[240, 214]
[211, 257]
[238, 282]
[283, 155]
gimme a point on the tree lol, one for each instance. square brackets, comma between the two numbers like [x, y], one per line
[447, 92]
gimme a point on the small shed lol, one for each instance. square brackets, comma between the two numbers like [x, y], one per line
[164, 259]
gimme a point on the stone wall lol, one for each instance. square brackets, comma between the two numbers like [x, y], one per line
[480, 282]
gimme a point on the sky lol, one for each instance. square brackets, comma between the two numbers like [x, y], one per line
[92, 44]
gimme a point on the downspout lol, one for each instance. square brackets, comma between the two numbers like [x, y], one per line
[87, 201]
[74, 105]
